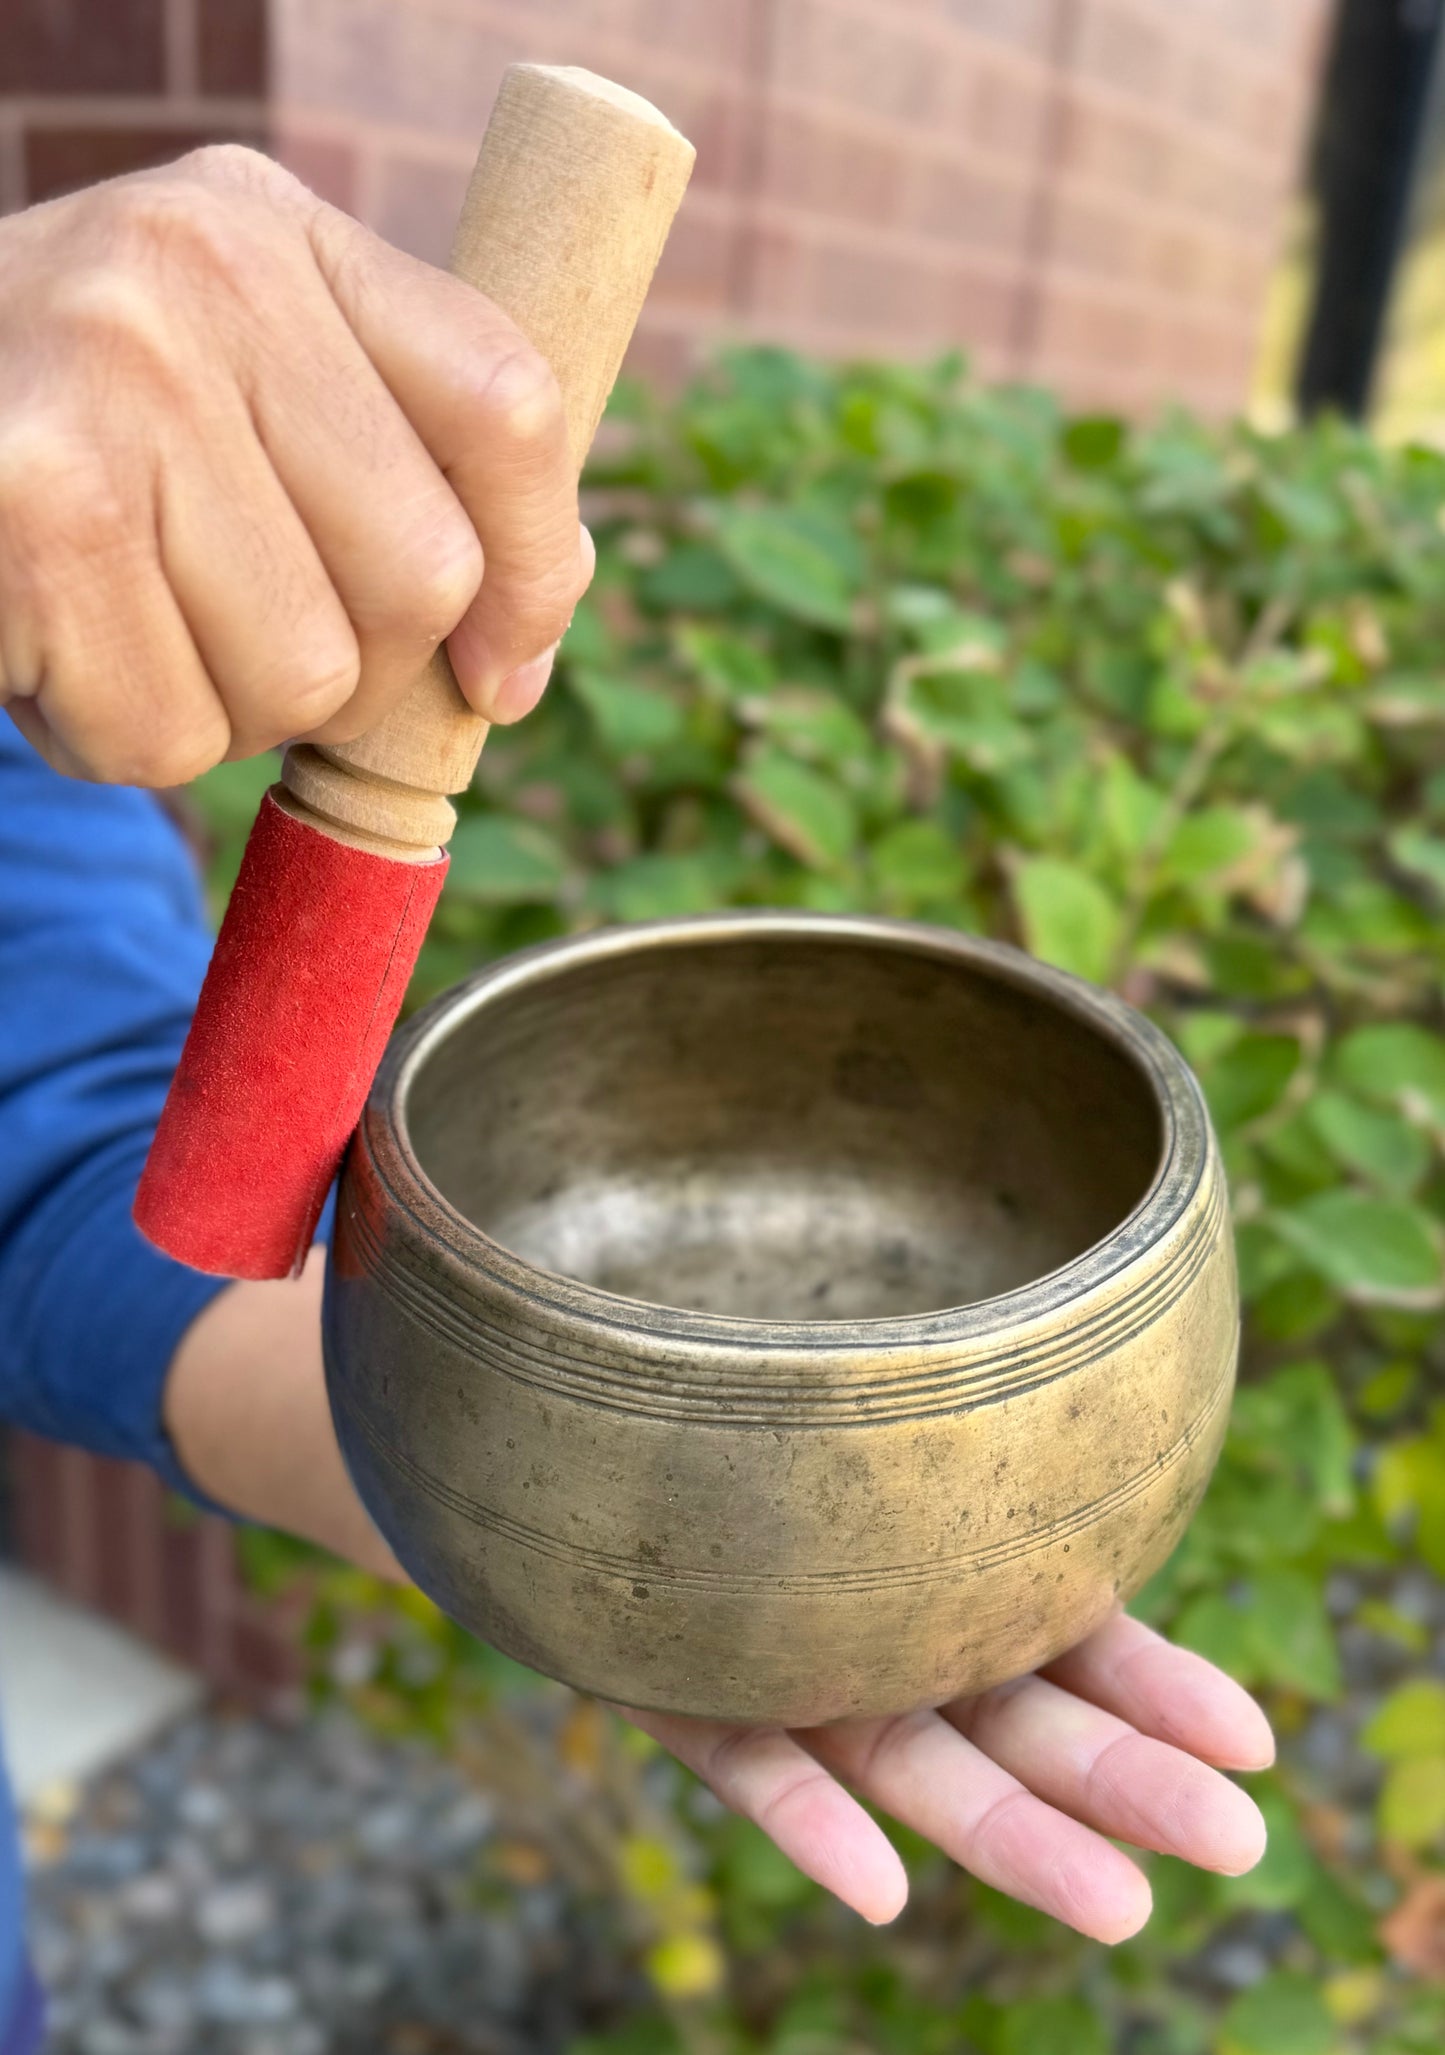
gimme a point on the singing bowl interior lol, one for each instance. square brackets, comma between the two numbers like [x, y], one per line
[796, 1127]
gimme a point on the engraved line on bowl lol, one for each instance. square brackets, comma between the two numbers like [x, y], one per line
[912, 1392]
[882, 1578]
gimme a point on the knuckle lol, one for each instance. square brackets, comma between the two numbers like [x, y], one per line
[58, 500]
[170, 756]
[196, 224]
[115, 311]
[521, 403]
[235, 164]
[315, 691]
[447, 584]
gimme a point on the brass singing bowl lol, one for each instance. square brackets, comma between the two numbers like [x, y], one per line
[777, 1317]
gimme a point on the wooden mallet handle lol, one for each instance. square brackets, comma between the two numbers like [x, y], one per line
[565, 218]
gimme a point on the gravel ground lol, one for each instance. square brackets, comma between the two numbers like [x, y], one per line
[259, 1890]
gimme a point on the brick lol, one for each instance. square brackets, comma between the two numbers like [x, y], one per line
[1115, 144]
[84, 46]
[714, 37]
[1184, 259]
[324, 163]
[75, 1568]
[264, 1661]
[416, 65]
[963, 203]
[1129, 49]
[1216, 183]
[1079, 322]
[1106, 234]
[1032, 24]
[781, 271]
[232, 46]
[57, 160]
[1193, 352]
[920, 304]
[415, 205]
[825, 169]
[33, 1475]
[832, 51]
[1000, 107]
[113, 1590]
[183, 1626]
[663, 356]
[699, 264]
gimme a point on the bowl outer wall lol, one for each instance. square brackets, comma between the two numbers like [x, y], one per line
[770, 1521]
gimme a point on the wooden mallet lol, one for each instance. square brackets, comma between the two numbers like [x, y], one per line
[563, 224]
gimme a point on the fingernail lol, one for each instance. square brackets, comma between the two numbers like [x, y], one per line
[520, 690]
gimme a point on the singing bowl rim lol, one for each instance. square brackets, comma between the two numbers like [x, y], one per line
[1185, 1149]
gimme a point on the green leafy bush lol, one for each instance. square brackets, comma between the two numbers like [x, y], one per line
[1165, 705]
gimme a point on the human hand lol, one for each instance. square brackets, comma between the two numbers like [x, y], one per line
[254, 464]
[1124, 1737]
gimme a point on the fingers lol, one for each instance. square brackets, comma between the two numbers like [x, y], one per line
[925, 1773]
[266, 618]
[489, 413]
[93, 647]
[397, 546]
[1168, 1692]
[1099, 1770]
[765, 1776]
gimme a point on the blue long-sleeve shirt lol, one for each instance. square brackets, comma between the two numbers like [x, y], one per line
[103, 945]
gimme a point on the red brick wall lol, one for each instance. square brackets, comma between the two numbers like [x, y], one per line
[107, 1536]
[1084, 191]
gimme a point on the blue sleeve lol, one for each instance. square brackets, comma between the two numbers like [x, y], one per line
[103, 945]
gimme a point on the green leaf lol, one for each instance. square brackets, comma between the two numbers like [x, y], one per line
[812, 724]
[1294, 1641]
[1412, 1801]
[1250, 1079]
[1382, 1146]
[1283, 2014]
[693, 575]
[498, 861]
[1296, 1417]
[1410, 1722]
[1421, 854]
[656, 886]
[1207, 842]
[1093, 441]
[1131, 806]
[1068, 918]
[1218, 1629]
[804, 812]
[631, 720]
[916, 862]
[799, 564]
[1377, 1251]
[735, 666]
[1392, 1062]
[1052, 2026]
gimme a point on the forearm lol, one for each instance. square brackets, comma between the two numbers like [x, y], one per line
[246, 1411]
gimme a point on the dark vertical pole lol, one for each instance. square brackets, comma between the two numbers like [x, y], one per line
[1372, 120]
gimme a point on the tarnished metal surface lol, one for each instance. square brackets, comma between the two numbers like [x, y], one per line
[778, 1317]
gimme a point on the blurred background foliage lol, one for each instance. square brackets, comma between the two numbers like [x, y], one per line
[1166, 706]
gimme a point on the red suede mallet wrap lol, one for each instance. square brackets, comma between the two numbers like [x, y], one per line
[563, 223]
[308, 976]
